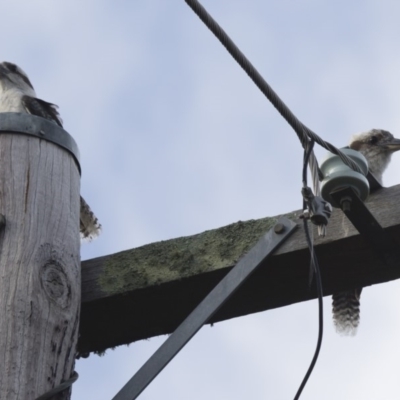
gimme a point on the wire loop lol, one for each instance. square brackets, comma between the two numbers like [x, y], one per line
[60, 388]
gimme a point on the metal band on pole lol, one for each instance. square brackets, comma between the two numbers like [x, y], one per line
[41, 128]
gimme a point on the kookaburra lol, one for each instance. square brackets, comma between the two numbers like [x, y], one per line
[17, 95]
[377, 146]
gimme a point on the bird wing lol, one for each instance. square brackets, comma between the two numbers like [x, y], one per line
[42, 109]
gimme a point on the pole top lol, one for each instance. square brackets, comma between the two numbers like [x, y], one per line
[41, 128]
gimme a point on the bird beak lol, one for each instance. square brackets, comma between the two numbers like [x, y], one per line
[393, 145]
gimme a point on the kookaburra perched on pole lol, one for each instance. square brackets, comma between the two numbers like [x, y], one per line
[377, 146]
[17, 95]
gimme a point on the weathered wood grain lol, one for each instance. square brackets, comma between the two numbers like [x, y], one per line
[39, 266]
[149, 290]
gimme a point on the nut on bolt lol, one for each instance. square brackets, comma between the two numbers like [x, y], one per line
[279, 228]
[345, 203]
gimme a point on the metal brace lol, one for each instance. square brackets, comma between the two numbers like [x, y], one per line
[362, 219]
[206, 309]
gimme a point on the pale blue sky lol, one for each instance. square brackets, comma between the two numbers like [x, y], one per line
[175, 139]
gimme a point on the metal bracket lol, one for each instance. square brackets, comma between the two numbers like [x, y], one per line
[374, 184]
[42, 128]
[362, 219]
[206, 309]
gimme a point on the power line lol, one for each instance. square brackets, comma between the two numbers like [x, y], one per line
[307, 138]
[303, 132]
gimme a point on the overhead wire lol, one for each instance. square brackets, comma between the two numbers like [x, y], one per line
[302, 131]
[307, 139]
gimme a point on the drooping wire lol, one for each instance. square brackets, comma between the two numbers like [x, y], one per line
[317, 272]
[308, 149]
[315, 174]
[303, 132]
[314, 261]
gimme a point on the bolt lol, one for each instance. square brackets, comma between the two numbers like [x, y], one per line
[41, 132]
[345, 204]
[279, 228]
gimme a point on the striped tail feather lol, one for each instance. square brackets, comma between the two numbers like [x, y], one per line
[346, 311]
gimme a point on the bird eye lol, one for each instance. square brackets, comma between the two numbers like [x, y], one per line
[373, 140]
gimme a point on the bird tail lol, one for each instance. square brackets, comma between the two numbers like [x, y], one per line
[346, 311]
[89, 224]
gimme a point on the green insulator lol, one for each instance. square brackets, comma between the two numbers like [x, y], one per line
[338, 175]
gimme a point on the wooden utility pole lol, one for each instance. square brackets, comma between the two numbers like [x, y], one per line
[39, 259]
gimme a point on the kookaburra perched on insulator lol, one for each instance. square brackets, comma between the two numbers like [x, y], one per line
[377, 146]
[17, 95]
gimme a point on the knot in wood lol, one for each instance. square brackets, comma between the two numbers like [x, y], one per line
[56, 284]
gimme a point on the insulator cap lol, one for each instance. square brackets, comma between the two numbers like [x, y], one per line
[338, 175]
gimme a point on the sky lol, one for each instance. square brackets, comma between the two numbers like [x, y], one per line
[175, 139]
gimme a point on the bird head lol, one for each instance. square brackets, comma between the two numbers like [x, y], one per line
[377, 146]
[13, 77]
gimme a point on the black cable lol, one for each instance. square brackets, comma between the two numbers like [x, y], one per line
[316, 270]
[320, 311]
[60, 388]
[301, 130]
